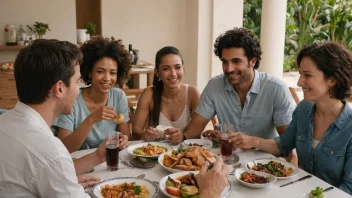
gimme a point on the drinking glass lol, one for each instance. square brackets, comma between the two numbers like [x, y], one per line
[112, 150]
[225, 145]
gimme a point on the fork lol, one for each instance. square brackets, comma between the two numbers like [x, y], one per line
[126, 163]
[234, 168]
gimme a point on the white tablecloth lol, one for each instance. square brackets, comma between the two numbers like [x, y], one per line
[295, 190]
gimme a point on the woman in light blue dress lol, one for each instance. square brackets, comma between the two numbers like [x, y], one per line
[105, 63]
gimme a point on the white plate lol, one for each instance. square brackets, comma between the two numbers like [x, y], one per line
[171, 170]
[271, 177]
[206, 144]
[131, 148]
[267, 160]
[153, 188]
[162, 183]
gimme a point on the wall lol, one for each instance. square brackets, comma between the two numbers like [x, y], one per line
[147, 25]
[60, 15]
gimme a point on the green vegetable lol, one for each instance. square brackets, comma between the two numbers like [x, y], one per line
[137, 189]
[169, 183]
[188, 191]
[317, 192]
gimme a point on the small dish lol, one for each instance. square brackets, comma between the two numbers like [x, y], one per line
[295, 169]
[130, 149]
[271, 178]
[206, 144]
[152, 187]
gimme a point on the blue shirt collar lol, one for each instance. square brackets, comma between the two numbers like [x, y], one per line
[341, 119]
[255, 88]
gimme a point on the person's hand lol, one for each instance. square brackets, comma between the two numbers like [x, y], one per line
[123, 141]
[211, 183]
[150, 134]
[173, 135]
[211, 134]
[100, 153]
[104, 113]
[240, 140]
[87, 181]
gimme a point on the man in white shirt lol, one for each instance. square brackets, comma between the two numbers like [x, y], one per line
[33, 162]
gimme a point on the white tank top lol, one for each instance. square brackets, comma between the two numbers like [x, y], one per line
[182, 121]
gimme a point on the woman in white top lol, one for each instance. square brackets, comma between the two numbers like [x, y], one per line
[168, 102]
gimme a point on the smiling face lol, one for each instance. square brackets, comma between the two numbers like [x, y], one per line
[313, 82]
[236, 66]
[170, 70]
[104, 75]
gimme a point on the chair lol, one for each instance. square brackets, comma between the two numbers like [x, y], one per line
[294, 95]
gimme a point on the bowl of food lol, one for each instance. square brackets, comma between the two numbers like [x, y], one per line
[183, 184]
[278, 168]
[207, 144]
[188, 159]
[130, 186]
[148, 150]
[254, 179]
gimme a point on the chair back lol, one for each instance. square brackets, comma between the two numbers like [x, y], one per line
[294, 95]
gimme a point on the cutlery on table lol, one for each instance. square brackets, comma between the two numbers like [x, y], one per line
[300, 179]
[140, 176]
[327, 189]
[126, 163]
[234, 168]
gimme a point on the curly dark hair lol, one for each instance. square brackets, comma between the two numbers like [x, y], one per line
[39, 66]
[335, 61]
[239, 38]
[99, 48]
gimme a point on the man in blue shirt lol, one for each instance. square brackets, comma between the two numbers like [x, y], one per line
[255, 103]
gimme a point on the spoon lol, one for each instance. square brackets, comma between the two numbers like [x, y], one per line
[140, 176]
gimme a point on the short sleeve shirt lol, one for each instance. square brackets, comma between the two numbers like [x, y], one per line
[268, 105]
[117, 99]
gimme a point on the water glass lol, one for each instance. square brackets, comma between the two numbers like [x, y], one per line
[112, 150]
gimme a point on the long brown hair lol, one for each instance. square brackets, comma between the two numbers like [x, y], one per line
[158, 85]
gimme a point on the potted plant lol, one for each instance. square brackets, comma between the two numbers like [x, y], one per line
[91, 29]
[39, 28]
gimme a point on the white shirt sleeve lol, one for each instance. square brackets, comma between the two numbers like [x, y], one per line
[58, 179]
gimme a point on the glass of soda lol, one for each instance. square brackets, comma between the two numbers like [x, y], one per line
[225, 145]
[112, 150]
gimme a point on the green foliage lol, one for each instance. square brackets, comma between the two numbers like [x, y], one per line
[307, 21]
[39, 28]
[91, 28]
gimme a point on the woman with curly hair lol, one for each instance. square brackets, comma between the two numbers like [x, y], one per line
[168, 102]
[321, 126]
[106, 63]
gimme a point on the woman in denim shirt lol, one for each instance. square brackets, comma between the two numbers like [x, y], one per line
[321, 126]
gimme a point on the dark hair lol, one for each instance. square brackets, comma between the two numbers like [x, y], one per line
[98, 48]
[239, 38]
[335, 61]
[39, 66]
[158, 85]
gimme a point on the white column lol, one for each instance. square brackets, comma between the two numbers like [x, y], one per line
[227, 14]
[273, 26]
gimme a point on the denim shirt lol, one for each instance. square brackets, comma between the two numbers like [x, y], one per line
[331, 160]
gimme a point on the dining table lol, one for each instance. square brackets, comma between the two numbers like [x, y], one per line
[156, 173]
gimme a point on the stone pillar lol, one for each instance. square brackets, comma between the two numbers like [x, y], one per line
[273, 27]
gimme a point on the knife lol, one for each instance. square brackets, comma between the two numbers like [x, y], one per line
[327, 189]
[300, 179]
